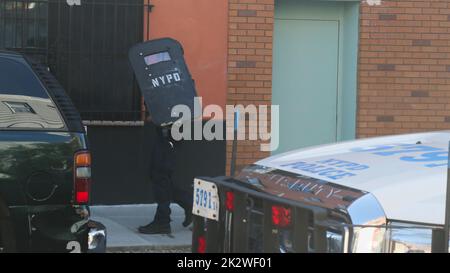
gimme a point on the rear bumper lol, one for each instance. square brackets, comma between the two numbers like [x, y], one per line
[90, 238]
[96, 237]
[57, 229]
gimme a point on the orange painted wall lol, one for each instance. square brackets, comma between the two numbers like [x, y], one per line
[201, 27]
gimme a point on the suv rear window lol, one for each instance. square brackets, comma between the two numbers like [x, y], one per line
[24, 103]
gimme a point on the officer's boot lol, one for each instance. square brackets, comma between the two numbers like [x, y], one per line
[187, 207]
[187, 218]
[161, 222]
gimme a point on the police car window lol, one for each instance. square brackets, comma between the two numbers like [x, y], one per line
[24, 103]
[157, 58]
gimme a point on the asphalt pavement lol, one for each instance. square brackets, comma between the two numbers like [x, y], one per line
[122, 222]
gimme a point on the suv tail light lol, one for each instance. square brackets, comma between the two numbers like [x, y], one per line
[82, 177]
[281, 216]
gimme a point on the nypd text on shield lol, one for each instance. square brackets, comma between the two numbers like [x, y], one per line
[166, 79]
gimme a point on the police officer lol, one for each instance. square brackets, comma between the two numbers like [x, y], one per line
[162, 169]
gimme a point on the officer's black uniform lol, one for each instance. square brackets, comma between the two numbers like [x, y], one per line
[165, 81]
[162, 169]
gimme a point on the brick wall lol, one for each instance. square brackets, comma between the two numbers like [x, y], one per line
[403, 74]
[250, 32]
[404, 67]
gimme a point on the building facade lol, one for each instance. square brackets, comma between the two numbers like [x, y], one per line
[339, 69]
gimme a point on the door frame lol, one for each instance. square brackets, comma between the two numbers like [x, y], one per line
[348, 23]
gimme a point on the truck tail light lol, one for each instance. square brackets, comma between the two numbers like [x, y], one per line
[82, 177]
[281, 216]
[229, 202]
[201, 243]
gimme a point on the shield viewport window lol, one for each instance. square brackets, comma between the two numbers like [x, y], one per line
[157, 58]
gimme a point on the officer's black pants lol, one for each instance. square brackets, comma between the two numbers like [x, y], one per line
[163, 167]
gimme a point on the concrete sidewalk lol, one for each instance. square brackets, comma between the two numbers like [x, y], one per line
[122, 222]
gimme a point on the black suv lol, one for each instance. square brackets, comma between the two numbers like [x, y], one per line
[45, 165]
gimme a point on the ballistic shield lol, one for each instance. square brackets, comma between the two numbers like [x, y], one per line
[164, 79]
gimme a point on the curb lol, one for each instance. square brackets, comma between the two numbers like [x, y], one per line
[178, 248]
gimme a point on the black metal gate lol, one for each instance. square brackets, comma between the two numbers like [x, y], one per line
[85, 44]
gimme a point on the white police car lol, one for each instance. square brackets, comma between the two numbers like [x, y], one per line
[384, 194]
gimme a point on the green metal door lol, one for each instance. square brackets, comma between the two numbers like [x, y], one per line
[307, 73]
